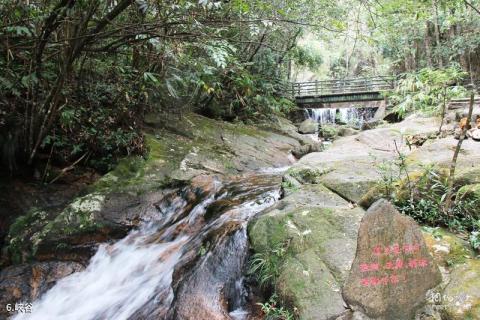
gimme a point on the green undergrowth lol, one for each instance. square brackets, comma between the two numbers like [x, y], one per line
[422, 194]
[280, 239]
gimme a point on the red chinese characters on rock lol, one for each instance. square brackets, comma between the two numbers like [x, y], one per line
[391, 265]
[394, 265]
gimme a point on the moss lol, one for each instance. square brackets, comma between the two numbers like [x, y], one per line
[446, 248]
[138, 175]
[328, 131]
[19, 245]
[307, 175]
[289, 187]
[306, 285]
[308, 228]
[463, 291]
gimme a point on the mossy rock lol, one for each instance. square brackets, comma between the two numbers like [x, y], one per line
[304, 229]
[375, 193]
[308, 287]
[314, 267]
[446, 248]
[462, 294]
[30, 231]
[329, 132]
[320, 229]
[179, 150]
[306, 175]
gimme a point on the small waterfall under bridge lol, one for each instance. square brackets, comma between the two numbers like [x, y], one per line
[354, 116]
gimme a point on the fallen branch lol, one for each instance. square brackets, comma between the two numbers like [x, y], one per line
[70, 167]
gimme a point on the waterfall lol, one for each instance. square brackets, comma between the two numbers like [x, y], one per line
[119, 280]
[352, 116]
[321, 115]
[132, 278]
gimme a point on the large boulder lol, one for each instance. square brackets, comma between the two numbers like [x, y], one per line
[308, 126]
[307, 148]
[319, 230]
[393, 269]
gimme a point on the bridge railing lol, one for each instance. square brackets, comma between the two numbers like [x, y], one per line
[342, 86]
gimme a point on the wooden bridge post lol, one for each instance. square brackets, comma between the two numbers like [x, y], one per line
[316, 88]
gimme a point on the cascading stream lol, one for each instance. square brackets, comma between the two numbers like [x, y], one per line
[321, 115]
[145, 275]
[353, 116]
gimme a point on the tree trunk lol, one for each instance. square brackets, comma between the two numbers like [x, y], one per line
[428, 45]
[436, 25]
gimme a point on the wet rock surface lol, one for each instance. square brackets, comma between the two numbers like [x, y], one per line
[128, 195]
[316, 223]
[190, 152]
[25, 283]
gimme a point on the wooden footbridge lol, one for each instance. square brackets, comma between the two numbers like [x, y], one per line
[318, 93]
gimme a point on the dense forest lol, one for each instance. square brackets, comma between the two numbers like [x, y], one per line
[78, 76]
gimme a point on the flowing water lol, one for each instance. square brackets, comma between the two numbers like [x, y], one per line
[321, 115]
[352, 116]
[186, 263]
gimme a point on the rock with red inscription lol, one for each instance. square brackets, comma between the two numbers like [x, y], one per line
[392, 269]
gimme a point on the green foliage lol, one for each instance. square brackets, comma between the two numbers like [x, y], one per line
[422, 195]
[328, 132]
[273, 311]
[428, 199]
[306, 56]
[427, 90]
[426, 34]
[265, 266]
[288, 185]
[78, 77]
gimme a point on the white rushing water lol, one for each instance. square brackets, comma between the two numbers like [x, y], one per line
[321, 115]
[352, 116]
[122, 278]
[119, 280]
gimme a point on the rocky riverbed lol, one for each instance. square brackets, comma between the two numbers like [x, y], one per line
[320, 216]
[189, 203]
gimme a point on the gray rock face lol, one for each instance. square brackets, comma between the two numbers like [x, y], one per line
[351, 164]
[393, 269]
[308, 126]
[300, 151]
[346, 131]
